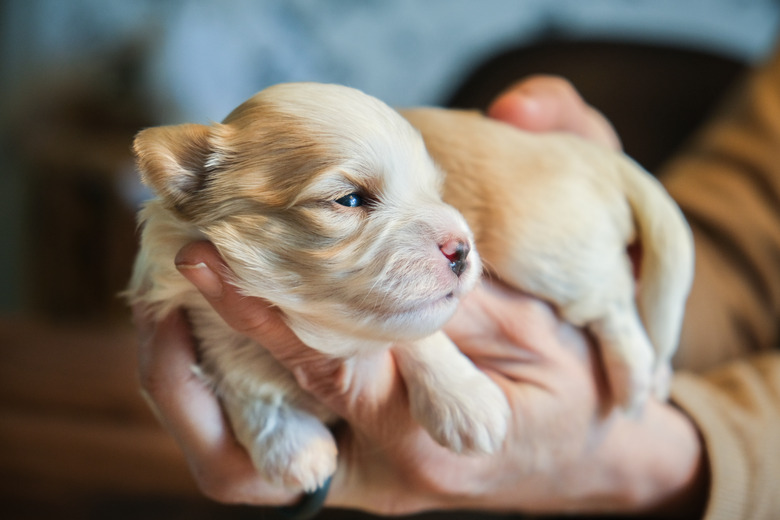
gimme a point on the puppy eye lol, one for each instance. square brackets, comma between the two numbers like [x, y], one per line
[353, 200]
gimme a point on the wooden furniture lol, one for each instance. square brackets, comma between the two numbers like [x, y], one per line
[75, 433]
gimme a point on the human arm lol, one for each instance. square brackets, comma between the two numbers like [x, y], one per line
[728, 184]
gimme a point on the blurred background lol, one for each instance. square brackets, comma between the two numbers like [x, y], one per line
[78, 78]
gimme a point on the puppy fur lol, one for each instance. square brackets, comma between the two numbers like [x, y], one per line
[329, 204]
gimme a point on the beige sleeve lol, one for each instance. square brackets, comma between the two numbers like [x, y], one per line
[737, 410]
[728, 381]
[728, 184]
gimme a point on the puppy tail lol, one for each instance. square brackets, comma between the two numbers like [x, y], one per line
[666, 262]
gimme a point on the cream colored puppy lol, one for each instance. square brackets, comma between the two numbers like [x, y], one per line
[327, 203]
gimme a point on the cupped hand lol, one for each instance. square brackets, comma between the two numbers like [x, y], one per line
[563, 452]
[387, 462]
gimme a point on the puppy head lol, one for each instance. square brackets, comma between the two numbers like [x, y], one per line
[324, 201]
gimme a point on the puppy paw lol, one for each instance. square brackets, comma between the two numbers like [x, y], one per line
[286, 445]
[467, 416]
[298, 461]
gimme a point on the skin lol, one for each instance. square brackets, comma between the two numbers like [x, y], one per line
[565, 451]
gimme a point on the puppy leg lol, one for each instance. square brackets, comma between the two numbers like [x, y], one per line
[662, 380]
[627, 354]
[459, 406]
[286, 445]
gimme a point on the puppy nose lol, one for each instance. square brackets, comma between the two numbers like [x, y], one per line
[456, 252]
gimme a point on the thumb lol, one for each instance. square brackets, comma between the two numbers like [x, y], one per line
[552, 104]
[360, 390]
[202, 265]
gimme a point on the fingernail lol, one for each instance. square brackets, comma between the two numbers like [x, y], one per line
[202, 277]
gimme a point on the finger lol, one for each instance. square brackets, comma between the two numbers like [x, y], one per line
[551, 103]
[515, 335]
[190, 412]
[202, 265]
[328, 378]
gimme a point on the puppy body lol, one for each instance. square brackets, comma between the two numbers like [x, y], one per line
[553, 215]
[324, 202]
[327, 203]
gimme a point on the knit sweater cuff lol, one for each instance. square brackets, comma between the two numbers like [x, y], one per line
[725, 449]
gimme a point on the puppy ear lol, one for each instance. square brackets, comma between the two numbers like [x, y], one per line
[174, 160]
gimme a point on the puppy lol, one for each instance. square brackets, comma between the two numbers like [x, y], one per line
[327, 203]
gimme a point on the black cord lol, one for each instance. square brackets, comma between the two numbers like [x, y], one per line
[308, 506]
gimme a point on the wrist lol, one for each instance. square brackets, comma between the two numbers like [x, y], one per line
[657, 463]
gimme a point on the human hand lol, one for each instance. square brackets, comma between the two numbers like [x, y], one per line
[562, 453]
[552, 104]
[387, 462]
[191, 413]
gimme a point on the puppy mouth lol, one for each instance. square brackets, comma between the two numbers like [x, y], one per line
[430, 305]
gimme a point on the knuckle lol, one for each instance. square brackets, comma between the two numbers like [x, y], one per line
[254, 321]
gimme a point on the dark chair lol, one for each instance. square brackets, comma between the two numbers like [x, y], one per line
[655, 96]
